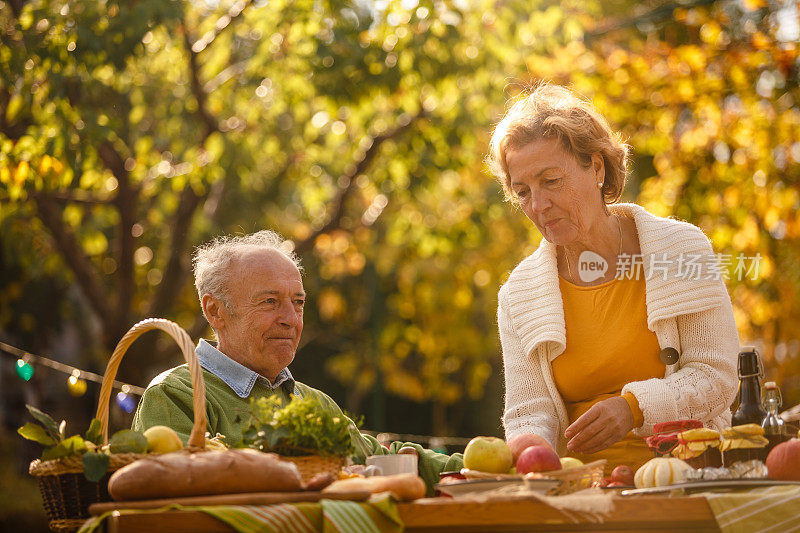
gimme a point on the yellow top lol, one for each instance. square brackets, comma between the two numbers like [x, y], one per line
[608, 346]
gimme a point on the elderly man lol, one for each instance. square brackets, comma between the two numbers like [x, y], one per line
[251, 292]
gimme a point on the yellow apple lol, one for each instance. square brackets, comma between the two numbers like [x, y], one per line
[162, 439]
[488, 454]
[570, 462]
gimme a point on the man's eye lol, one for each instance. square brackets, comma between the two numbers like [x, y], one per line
[300, 303]
[522, 193]
[551, 181]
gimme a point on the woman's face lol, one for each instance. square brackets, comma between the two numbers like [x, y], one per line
[555, 191]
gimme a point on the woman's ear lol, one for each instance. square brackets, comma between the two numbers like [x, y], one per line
[598, 167]
[212, 310]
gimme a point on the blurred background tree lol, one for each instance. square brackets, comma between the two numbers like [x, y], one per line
[132, 131]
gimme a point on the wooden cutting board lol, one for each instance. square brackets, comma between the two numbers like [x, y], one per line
[248, 498]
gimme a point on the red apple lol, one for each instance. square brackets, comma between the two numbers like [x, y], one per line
[537, 459]
[622, 474]
[617, 484]
[519, 442]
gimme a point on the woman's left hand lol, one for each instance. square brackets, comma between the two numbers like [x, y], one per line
[604, 424]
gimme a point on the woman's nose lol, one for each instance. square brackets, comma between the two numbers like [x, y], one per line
[539, 201]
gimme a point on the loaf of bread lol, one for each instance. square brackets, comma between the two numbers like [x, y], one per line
[179, 474]
[404, 487]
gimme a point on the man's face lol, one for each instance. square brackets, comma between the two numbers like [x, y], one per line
[264, 320]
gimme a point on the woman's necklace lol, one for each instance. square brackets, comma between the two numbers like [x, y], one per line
[566, 259]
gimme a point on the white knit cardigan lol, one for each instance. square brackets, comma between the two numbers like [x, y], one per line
[694, 316]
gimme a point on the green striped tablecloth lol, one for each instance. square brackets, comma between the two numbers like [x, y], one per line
[773, 509]
[379, 515]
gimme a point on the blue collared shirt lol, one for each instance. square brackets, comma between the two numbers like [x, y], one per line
[238, 377]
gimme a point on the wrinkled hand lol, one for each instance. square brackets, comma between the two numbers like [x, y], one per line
[604, 424]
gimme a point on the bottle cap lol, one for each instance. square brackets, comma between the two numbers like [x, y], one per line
[770, 385]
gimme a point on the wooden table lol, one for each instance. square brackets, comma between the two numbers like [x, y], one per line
[642, 513]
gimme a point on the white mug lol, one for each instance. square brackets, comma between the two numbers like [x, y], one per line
[387, 465]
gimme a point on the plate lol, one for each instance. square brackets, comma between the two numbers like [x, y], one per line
[710, 484]
[477, 474]
[476, 486]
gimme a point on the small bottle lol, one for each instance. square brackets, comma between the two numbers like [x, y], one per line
[772, 423]
[750, 410]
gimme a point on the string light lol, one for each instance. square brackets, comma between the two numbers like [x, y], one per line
[25, 368]
[126, 401]
[75, 385]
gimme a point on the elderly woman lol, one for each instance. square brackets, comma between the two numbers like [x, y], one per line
[598, 346]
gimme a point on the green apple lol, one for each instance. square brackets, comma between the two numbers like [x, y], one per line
[488, 454]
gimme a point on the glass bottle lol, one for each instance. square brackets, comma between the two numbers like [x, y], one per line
[772, 423]
[750, 410]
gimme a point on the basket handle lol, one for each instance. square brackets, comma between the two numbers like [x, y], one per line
[197, 436]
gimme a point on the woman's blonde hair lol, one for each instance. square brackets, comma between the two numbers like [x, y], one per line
[550, 111]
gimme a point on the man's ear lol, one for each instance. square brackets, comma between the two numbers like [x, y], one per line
[212, 308]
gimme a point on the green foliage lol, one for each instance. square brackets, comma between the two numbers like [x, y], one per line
[95, 460]
[36, 433]
[127, 441]
[74, 445]
[52, 436]
[131, 133]
[95, 465]
[95, 432]
[299, 427]
[50, 426]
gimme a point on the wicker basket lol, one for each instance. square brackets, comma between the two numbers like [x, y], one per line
[578, 478]
[66, 493]
[311, 465]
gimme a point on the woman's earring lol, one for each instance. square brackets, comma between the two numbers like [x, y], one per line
[599, 184]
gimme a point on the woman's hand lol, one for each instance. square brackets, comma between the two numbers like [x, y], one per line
[604, 424]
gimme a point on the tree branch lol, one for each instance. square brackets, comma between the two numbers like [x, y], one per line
[362, 163]
[16, 7]
[85, 273]
[654, 15]
[222, 23]
[197, 90]
[12, 131]
[76, 196]
[175, 271]
[125, 202]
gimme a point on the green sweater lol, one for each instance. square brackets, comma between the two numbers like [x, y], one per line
[168, 401]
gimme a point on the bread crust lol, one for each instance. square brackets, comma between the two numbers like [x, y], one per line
[198, 474]
[404, 487]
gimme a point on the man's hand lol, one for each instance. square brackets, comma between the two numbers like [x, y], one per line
[604, 424]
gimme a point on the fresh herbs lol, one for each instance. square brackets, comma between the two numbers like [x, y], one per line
[300, 427]
[95, 459]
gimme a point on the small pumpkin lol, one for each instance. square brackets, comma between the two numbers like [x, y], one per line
[783, 462]
[661, 471]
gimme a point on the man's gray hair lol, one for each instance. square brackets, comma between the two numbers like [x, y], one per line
[212, 261]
